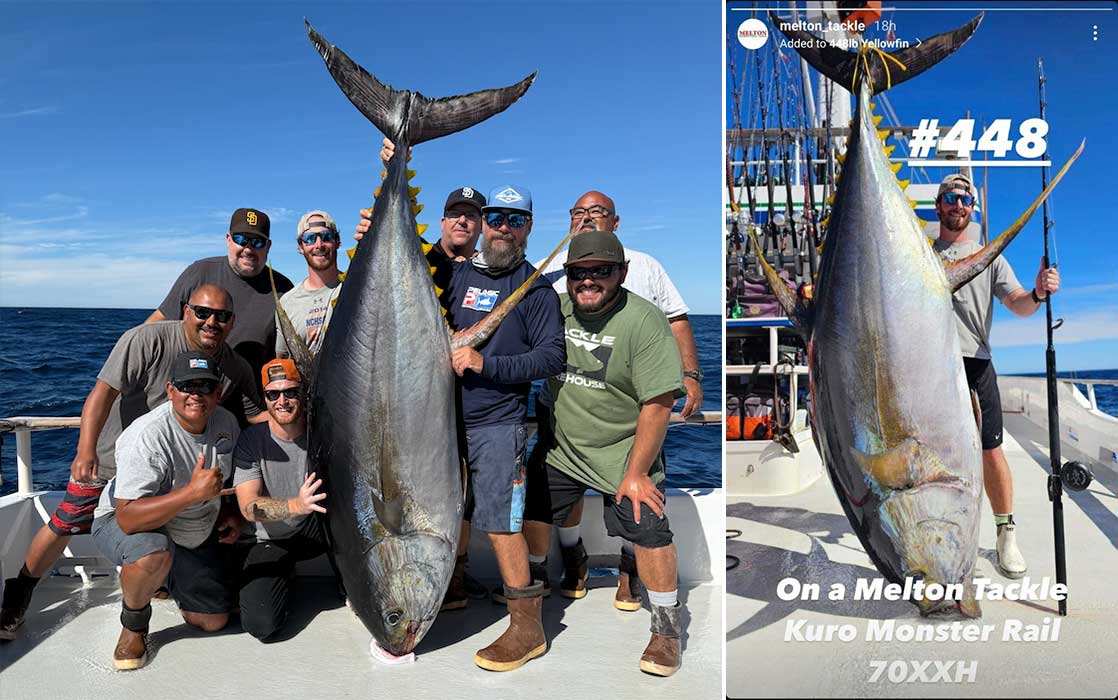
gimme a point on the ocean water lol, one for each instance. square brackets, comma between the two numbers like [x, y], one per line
[52, 357]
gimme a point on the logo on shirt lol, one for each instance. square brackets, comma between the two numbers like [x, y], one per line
[589, 341]
[480, 299]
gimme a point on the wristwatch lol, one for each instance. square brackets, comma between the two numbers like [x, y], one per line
[696, 374]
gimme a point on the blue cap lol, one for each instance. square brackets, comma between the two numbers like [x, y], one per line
[512, 197]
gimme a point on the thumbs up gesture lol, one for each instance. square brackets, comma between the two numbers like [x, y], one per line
[204, 483]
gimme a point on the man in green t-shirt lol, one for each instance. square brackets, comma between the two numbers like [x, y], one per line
[610, 416]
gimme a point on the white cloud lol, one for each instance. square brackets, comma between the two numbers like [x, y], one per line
[29, 112]
[14, 225]
[504, 161]
[1079, 326]
[98, 280]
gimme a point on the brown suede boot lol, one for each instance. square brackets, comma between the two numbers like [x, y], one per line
[524, 639]
[576, 570]
[538, 572]
[455, 598]
[629, 587]
[662, 655]
[131, 650]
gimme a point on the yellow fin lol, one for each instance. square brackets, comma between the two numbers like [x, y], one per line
[420, 228]
[426, 247]
[413, 191]
[334, 301]
[877, 119]
[341, 277]
[438, 292]
[383, 174]
[904, 184]
[912, 202]
[376, 192]
[409, 173]
[416, 208]
[831, 199]
[351, 252]
[824, 222]
[883, 134]
[895, 167]
[889, 150]
[841, 158]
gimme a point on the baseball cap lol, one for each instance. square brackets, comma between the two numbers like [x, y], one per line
[598, 246]
[512, 197]
[194, 364]
[466, 195]
[251, 221]
[303, 225]
[278, 370]
[957, 181]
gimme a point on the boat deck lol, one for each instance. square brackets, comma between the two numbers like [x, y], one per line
[806, 536]
[65, 647]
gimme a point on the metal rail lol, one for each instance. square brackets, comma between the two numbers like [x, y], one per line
[1090, 387]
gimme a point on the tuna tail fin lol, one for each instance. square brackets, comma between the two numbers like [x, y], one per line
[964, 270]
[297, 348]
[405, 116]
[844, 67]
[798, 310]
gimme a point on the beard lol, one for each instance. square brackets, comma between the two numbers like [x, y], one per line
[501, 254]
[594, 307]
[953, 222]
[320, 264]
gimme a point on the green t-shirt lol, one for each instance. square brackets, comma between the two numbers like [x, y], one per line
[614, 365]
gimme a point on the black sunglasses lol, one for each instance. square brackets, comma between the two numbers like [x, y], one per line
[274, 394]
[198, 387]
[203, 313]
[598, 272]
[327, 236]
[496, 218]
[247, 241]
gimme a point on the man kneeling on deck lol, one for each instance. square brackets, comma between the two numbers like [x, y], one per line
[161, 516]
[277, 495]
[611, 412]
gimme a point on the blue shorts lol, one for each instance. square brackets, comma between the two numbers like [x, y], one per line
[495, 456]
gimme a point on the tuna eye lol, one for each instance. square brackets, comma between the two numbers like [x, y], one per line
[392, 618]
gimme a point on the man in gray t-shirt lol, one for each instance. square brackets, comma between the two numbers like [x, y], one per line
[311, 302]
[279, 498]
[974, 314]
[132, 382]
[161, 517]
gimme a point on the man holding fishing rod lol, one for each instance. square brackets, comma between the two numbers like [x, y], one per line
[974, 315]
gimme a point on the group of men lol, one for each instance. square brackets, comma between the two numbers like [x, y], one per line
[157, 453]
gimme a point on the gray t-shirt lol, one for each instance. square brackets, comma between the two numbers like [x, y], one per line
[156, 455]
[140, 366]
[282, 464]
[974, 302]
[309, 312]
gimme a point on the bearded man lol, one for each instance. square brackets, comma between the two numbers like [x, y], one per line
[310, 303]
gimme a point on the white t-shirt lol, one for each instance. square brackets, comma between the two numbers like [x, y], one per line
[155, 456]
[646, 278]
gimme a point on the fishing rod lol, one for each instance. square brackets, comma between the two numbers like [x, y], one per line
[1075, 476]
[785, 143]
[771, 238]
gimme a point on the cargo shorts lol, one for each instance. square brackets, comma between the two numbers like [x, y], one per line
[495, 459]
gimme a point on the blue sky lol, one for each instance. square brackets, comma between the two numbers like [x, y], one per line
[131, 131]
[994, 76]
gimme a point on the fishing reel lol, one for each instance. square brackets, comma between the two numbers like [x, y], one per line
[1074, 476]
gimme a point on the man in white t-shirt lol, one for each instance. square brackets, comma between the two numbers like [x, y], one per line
[646, 278]
[310, 303]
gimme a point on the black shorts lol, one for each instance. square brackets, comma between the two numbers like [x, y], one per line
[554, 503]
[982, 379]
[204, 579]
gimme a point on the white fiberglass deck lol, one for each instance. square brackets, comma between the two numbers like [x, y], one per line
[806, 536]
[65, 647]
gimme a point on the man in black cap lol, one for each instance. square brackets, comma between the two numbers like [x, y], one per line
[610, 416]
[242, 272]
[161, 516]
[131, 383]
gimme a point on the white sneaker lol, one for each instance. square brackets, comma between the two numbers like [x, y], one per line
[1010, 562]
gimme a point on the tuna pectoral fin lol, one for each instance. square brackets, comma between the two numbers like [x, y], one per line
[845, 66]
[393, 110]
[390, 513]
[892, 469]
[296, 346]
[481, 331]
[964, 270]
[798, 310]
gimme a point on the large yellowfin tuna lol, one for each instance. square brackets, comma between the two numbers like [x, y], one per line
[891, 412]
[382, 409]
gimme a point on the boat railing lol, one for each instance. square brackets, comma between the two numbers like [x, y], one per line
[24, 426]
[1091, 384]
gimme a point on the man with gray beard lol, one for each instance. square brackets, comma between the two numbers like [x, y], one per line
[495, 385]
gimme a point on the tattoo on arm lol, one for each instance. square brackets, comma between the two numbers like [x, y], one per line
[269, 509]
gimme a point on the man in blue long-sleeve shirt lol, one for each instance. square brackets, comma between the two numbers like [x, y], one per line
[496, 381]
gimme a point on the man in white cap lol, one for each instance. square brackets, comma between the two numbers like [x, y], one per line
[974, 315]
[310, 303]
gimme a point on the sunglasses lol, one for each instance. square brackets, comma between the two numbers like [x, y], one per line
[953, 197]
[248, 241]
[598, 272]
[274, 394]
[203, 313]
[594, 212]
[200, 387]
[327, 236]
[455, 215]
[496, 218]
